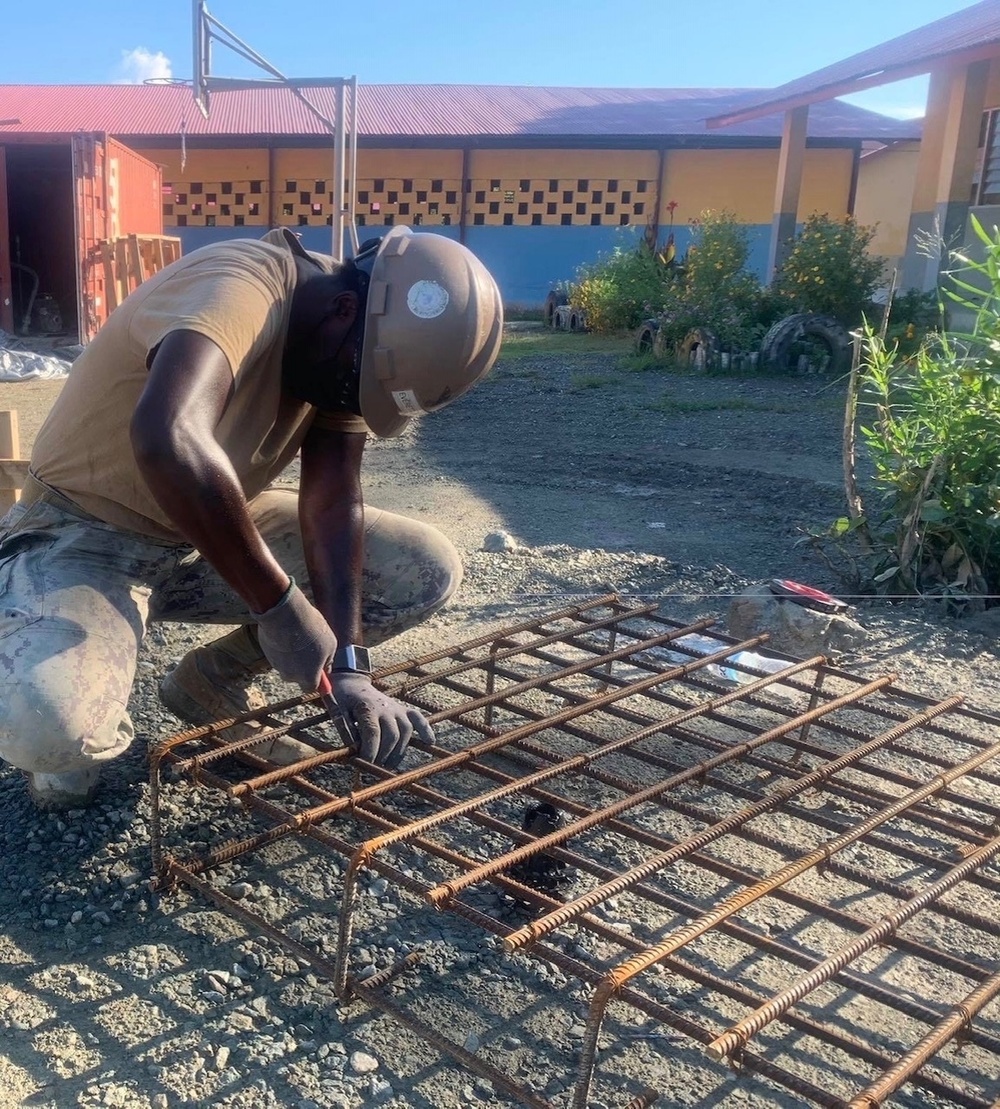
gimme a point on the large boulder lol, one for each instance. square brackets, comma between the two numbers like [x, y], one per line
[793, 628]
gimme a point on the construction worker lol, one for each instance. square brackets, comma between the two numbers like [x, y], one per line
[150, 496]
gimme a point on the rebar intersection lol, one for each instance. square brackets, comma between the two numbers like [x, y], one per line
[790, 873]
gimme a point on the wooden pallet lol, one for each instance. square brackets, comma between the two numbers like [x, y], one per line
[13, 470]
[132, 259]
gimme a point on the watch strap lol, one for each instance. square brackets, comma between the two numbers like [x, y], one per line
[352, 656]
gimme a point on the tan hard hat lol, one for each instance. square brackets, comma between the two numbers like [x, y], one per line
[433, 325]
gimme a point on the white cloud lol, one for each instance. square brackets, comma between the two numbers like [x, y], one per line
[902, 111]
[140, 65]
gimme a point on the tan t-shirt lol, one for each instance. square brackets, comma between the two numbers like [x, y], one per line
[237, 293]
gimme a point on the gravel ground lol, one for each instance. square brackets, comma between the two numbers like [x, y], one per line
[678, 488]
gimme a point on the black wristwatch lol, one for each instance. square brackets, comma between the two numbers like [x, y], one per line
[350, 656]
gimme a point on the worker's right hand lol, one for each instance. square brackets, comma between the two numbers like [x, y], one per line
[296, 639]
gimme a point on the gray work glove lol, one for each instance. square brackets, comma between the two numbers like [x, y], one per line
[382, 726]
[296, 639]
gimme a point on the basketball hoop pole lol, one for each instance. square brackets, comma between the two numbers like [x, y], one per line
[344, 127]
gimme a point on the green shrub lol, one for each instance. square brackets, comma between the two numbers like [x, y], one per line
[933, 433]
[934, 436]
[715, 289]
[829, 269]
[621, 289]
[914, 315]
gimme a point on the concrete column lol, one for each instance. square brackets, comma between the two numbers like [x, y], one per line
[788, 187]
[947, 161]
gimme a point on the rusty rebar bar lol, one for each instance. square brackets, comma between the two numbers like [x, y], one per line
[959, 1018]
[741, 900]
[441, 893]
[562, 916]
[740, 1033]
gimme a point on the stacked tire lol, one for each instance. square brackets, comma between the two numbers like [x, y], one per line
[780, 351]
[553, 301]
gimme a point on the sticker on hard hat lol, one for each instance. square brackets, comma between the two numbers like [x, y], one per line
[427, 299]
[407, 403]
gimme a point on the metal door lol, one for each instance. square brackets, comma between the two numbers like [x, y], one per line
[90, 210]
[6, 299]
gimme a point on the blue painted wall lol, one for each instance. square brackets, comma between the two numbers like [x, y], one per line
[526, 261]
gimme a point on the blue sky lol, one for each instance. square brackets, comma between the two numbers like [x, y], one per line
[658, 43]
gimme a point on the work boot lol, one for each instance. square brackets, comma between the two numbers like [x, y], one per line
[74, 789]
[216, 681]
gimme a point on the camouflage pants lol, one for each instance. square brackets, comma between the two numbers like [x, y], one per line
[76, 596]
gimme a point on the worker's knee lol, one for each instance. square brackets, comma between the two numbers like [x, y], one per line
[62, 709]
[410, 571]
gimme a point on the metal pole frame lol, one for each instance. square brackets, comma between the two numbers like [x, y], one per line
[344, 127]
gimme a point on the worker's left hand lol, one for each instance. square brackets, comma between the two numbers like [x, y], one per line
[382, 726]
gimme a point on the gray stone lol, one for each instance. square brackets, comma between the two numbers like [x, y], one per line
[793, 629]
[363, 1063]
[499, 542]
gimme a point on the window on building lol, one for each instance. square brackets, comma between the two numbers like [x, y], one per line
[986, 190]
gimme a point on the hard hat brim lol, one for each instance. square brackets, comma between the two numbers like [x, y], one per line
[377, 407]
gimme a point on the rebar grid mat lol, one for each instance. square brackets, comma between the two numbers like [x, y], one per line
[669, 861]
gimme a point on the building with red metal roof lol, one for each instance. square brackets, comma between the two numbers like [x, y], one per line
[958, 168]
[535, 180]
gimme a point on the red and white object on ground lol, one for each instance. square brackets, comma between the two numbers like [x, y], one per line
[806, 596]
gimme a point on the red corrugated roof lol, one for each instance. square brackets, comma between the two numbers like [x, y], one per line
[966, 33]
[454, 111]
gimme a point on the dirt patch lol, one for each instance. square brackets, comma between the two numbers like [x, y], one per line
[672, 487]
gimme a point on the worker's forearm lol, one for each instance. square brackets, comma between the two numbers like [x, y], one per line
[333, 538]
[196, 486]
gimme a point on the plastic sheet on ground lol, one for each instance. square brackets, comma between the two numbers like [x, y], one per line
[27, 365]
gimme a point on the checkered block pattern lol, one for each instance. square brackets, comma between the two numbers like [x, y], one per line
[576, 202]
[381, 202]
[384, 201]
[215, 204]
